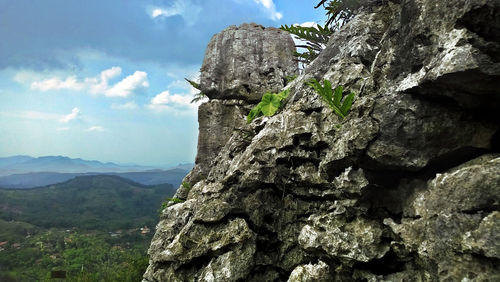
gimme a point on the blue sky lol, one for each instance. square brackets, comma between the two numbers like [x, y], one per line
[103, 80]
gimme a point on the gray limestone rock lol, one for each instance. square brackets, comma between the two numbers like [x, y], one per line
[360, 240]
[246, 61]
[485, 240]
[471, 187]
[319, 272]
[405, 188]
[217, 120]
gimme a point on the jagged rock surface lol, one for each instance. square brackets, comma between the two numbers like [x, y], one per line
[244, 62]
[405, 188]
[240, 65]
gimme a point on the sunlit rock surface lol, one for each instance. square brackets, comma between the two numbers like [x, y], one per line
[405, 188]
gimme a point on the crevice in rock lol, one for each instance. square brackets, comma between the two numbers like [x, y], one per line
[388, 264]
[197, 263]
[301, 138]
[495, 142]
[389, 177]
[293, 162]
[484, 21]
[485, 210]
[309, 111]
[262, 270]
[487, 260]
[449, 160]
[463, 88]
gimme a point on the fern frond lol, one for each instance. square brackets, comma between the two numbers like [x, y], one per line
[194, 84]
[338, 95]
[333, 97]
[346, 105]
[313, 34]
[198, 97]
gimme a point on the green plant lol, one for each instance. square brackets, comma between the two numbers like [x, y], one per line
[186, 185]
[167, 200]
[290, 78]
[198, 96]
[338, 12]
[315, 38]
[268, 105]
[334, 98]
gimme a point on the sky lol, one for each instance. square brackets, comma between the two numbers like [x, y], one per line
[104, 80]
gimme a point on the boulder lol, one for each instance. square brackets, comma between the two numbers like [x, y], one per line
[246, 61]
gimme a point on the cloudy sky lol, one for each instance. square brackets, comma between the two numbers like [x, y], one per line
[103, 80]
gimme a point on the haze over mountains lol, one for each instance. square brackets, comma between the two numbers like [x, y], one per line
[28, 172]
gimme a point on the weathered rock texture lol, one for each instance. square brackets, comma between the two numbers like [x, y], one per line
[405, 188]
[244, 62]
[240, 65]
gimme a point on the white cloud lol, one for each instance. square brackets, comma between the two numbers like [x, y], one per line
[75, 114]
[101, 86]
[25, 76]
[95, 128]
[186, 9]
[95, 85]
[126, 106]
[271, 9]
[55, 83]
[130, 84]
[172, 102]
[164, 12]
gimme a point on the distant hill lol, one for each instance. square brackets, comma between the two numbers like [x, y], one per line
[101, 202]
[61, 164]
[14, 230]
[188, 166]
[36, 179]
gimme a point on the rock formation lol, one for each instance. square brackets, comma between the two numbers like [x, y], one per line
[240, 65]
[405, 188]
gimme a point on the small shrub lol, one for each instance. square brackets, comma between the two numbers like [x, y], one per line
[186, 185]
[268, 106]
[167, 200]
[334, 98]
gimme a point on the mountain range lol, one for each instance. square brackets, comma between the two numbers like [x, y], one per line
[24, 164]
[19, 172]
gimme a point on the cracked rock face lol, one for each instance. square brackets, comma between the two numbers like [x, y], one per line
[244, 62]
[405, 188]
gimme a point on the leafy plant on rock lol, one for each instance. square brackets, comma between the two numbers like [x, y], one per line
[315, 38]
[268, 106]
[198, 96]
[334, 98]
[338, 12]
[167, 200]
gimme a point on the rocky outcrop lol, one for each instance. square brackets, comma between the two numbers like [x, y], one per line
[405, 188]
[244, 62]
[241, 64]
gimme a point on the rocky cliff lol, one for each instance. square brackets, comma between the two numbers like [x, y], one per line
[405, 188]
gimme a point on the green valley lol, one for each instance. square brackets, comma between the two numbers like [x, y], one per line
[90, 228]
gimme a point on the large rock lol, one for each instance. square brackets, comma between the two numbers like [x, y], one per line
[240, 65]
[246, 61]
[217, 120]
[405, 188]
